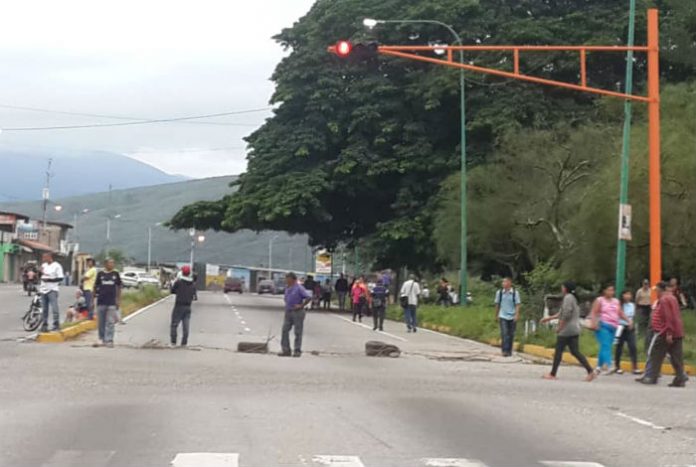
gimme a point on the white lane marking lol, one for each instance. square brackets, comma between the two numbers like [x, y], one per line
[247, 329]
[640, 421]
[452, 462]
[64, 458]
[570, 464]
[207, 459]
[242, 322]
[142, 310]
[338, 461]
[368, 327]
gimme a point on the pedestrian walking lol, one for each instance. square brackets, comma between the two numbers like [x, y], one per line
[678, 292]
[51, 277]
[643, 311]
[626, 335]
[507, 313]
[380, 296]
[341, 289]
[408, 299]
[667, 339]
[296, 298]
[326, 295]
[568, 332]
[107, 290]
[606, 315]
[88, 280]
[185, 290]
[359, 298]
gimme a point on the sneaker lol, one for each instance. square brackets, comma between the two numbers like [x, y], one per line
[109, 345]
[677, 384]
[618, 371]
[297, 354]
[591, 377]
[98, 344]
[646, 381]
[44, 329]
[172, 345]
[637, 372]
[284, 354]
[415, 329]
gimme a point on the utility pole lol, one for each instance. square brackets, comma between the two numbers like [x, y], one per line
[149, 247]
[46, 194]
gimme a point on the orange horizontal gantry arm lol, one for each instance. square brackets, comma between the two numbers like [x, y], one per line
[410, 52]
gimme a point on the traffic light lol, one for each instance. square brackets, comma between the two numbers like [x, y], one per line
[357, 52]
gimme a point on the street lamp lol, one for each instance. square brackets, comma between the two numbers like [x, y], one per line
[270, 255]
[108, 228]
[200, 238]
[463, 280]
[149, 244]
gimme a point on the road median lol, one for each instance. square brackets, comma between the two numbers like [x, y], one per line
[132, 303]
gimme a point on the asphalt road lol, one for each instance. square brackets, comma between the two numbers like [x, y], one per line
[14, 302]
[445, 402]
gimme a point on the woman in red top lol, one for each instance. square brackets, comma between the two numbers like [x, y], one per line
[359, 296]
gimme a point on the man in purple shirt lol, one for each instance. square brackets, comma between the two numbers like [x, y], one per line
[296, 297]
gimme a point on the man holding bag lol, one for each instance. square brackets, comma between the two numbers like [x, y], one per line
[410, 291]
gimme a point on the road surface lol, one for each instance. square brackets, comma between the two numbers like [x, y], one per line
[14, 302]
[445, 402]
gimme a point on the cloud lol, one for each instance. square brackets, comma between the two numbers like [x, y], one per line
[149, 59]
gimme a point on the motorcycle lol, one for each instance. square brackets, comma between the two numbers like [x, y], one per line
[33, 318]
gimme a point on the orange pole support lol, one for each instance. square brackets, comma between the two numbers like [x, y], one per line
[449, 55]
[516, 59]
[528, 48]
[654, 147]
[583, 67]
[506, 74]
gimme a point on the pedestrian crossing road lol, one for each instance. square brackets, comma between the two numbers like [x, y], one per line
[65, 458]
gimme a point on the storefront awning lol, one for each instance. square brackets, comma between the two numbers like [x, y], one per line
[36, 246]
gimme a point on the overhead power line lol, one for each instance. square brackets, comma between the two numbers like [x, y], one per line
[132, 122]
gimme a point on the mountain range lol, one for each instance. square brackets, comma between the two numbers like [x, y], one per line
[132, 211]
[73, 173]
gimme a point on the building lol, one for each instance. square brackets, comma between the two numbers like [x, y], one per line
[23, 240]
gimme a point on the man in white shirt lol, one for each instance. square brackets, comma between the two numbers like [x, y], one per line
[51, 277]
[410, 291]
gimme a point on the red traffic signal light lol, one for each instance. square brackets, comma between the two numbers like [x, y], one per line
[343, 48]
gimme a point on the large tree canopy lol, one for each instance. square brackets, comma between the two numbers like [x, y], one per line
[359, 150]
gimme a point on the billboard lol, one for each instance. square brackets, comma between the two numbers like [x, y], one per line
[323, 262]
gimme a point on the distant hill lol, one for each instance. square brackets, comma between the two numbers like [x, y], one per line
[74, 173]
[139, 208]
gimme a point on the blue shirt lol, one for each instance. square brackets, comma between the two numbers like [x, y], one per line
[629, 310]
[507, 303]
[294, 296]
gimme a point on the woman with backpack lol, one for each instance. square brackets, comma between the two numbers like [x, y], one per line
[568, 332]
[606, 315]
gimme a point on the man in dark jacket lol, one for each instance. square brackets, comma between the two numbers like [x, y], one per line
[185, 289]
[342, 289]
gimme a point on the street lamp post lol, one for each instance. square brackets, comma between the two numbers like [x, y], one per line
[270, 255]
[463, 279]
[149, 244]
[200, 238]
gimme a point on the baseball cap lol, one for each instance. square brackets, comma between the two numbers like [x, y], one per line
[186, 270]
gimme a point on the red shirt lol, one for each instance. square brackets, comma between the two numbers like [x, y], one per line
[666, 319]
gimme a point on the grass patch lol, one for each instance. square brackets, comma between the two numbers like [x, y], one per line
[133, 300]
[477, 322]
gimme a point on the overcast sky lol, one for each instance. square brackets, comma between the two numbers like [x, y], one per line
[143, 59]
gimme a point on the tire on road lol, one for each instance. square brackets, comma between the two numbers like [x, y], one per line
[252, 347]
[381, 349]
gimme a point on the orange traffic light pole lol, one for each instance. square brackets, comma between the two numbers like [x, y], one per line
[652, 99]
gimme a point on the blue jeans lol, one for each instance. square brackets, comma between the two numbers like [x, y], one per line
[410, 316]
[107, 316]
[50, 299]
[605, 338]
[89, 299]
[507, 334]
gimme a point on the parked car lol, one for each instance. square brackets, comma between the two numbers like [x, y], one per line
[280, 287]
[138, 279]
[266, 286]
[233, 284]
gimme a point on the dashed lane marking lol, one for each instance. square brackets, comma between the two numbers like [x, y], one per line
[338, 461]
[452, 462]
[570, 464]
[640, 421]
[370, 328]
[207, 459]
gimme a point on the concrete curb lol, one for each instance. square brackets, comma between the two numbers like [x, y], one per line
[84, 326]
